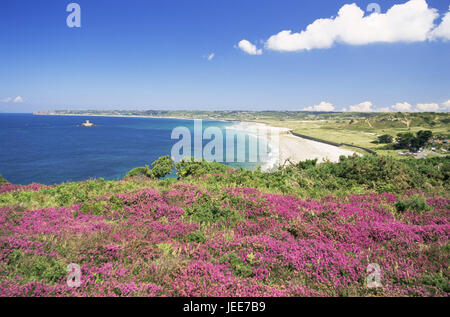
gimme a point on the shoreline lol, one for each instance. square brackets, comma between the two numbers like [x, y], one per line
[284, 146]
[125, 116]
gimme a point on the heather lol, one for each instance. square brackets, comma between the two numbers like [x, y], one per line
[217, 231]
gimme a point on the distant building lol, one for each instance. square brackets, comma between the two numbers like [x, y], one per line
[87, 124]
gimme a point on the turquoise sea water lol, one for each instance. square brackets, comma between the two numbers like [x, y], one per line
[55, 149]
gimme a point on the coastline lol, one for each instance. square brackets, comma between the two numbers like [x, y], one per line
[284, 146]
[125, 116]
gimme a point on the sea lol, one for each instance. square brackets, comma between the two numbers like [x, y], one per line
[56, 149]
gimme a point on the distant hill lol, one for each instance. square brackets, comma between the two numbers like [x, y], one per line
[350, 120]
[402, 120]
[224, 115]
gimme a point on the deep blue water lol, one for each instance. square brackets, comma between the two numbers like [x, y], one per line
[55, 149]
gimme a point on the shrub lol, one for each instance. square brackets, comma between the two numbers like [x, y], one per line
[191, 167]
[385, 139]
[198, 237]
[162, 167]
[415, 203]
[34, 267]
[166, 248]
[209, 211]
[437, 280]
[2, 180]
[237, 265]
[95, 208]
[116, 203]
[411, 142]
[139, 172]
[307, 164]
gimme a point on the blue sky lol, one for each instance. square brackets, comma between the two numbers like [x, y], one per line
[148, 54]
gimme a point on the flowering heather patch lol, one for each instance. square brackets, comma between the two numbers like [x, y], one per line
[7, 187]
[191, 241]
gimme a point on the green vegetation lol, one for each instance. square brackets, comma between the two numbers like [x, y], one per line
[161, 168]
[237, 265]
[365, 129]
[67, 194]
[438, 280]
[35, 267]
[94, 208]
[218, 231]
[139, 172]
[385, 139]
[414, 203]
[350, 175]
[2, 180]
[191, 167]
[411, 142]
[211, 211]
[198, 237]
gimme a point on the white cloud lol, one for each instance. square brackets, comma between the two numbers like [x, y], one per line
[10, 99]
[7, 99]
[362, 107]
[211, 56]
[447, 104]
[18, 99]
[323, 106]
[249, 48]
[443, 30]
[427, 107]
[385, 109]
[409, 22]
[402, 107]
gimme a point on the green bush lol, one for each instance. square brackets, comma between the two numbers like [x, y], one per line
[210, 211]
[307, 164]
[376, 173]
[95, 208]
[385, 139]
[2, 180]
[191, 167]
[116, 203]
[350, 175]
[437, 280]
[35, 268]
[411, 142]
[162, 167]
[198, 237]
[415, 203]
[139, 172]
[67, 194]
[237, 265]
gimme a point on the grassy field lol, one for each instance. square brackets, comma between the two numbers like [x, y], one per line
[364, 131]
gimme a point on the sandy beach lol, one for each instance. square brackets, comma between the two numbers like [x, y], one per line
[288, 147]
[298, 149]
